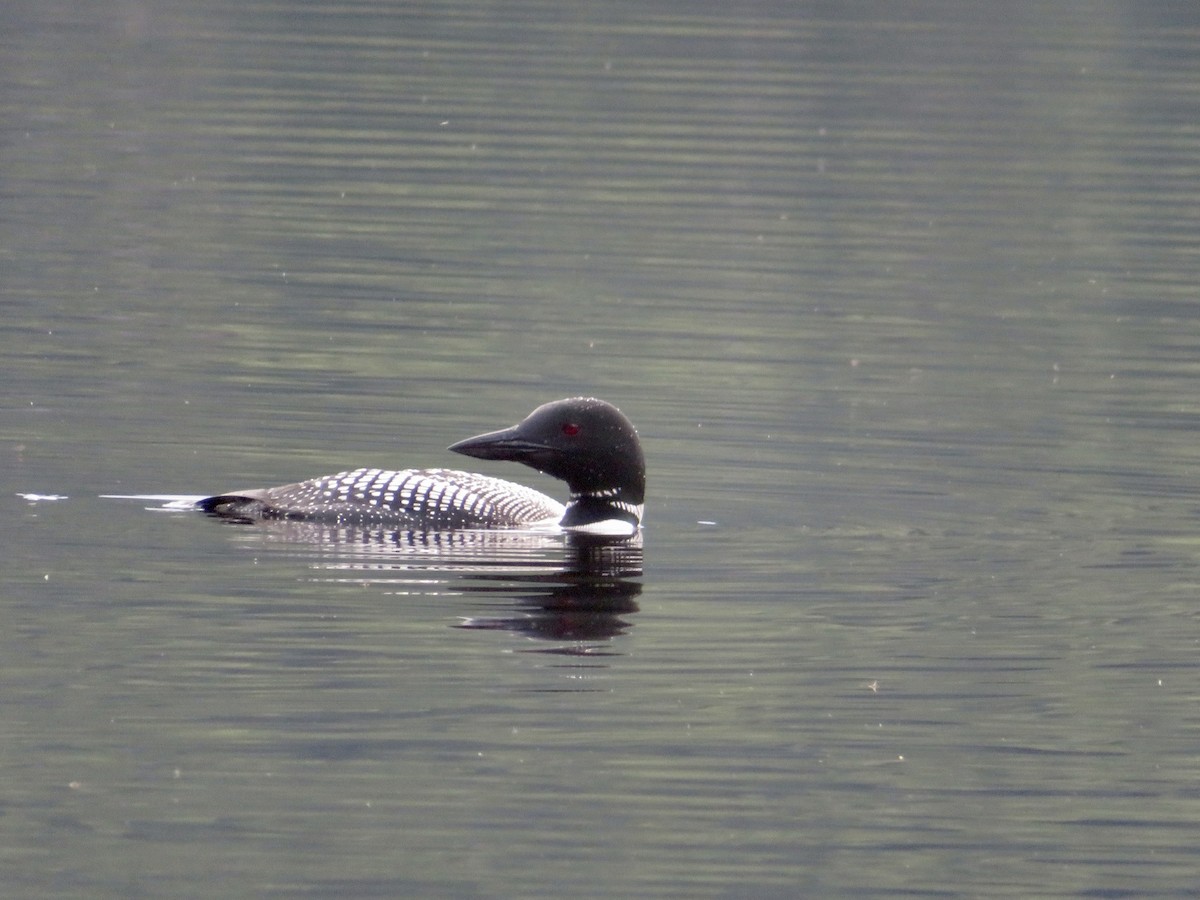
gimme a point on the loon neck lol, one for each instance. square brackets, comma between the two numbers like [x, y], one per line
[602, 512]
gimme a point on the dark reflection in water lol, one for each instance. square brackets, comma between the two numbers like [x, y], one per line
[586, 610]
[549, 586]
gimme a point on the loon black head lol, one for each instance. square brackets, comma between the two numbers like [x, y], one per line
[587, 443]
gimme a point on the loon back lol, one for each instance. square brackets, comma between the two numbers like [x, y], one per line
[429, 499]
[584, 441]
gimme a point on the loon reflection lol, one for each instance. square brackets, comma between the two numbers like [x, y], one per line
[567, 588]
[586, 611]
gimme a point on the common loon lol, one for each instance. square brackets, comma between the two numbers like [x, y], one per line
[586, 442]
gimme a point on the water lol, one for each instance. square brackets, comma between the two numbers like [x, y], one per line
[902, 300]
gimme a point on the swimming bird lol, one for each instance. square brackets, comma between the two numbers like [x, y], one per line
[585, 442]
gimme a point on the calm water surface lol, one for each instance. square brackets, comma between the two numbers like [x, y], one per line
[902, 300]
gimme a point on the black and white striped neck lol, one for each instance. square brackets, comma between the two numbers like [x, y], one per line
[602, 513]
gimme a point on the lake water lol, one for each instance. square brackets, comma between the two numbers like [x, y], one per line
[902, 298]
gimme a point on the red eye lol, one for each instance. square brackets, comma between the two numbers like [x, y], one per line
[570, 429]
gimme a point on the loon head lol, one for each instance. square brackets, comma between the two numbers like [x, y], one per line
[587, 443]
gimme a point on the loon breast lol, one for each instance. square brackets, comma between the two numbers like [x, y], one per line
[435, 499]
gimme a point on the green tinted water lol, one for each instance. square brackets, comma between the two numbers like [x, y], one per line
[903, 306]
